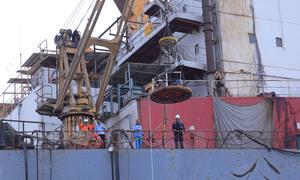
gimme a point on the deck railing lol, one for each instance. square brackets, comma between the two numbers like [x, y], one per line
[158, 139]
[246, 88]
[191, 7]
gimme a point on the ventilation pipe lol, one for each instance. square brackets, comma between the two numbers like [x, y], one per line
[209, 36]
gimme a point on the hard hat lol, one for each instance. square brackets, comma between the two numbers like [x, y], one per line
[85, 120]
[191, 128]
[177, 116]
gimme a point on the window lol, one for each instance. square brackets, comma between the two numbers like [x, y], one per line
[279, 42]
[196, 49]
[252, 38]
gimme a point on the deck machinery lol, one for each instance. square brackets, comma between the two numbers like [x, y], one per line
[74, 99]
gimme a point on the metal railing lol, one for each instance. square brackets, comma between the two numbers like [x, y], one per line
[22, 124]
[121, 95]
[157, 139]
[210, 139]
[139, 34]
[240, 88]
[187, 6]
[44, 51]
[126, 92]
[193, 7]
[43, 93]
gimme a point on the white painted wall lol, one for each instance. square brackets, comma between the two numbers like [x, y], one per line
[26, 112]
[191, 49]
[279, 18]
[237, 52]
[126, 118]
[272, 18]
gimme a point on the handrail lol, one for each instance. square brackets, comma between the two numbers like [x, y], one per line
[156, 20]
[41, 97]
[192, 139]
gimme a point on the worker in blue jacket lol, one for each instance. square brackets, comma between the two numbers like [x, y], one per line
[138, 135]
[100, 130]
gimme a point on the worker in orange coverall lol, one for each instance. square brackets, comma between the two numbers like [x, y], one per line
[85, 126]
[95, 140]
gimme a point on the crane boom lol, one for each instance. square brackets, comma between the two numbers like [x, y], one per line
[86, 41]
[113, 55]
[79, 53]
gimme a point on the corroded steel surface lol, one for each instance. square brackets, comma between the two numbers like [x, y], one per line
[171, 94]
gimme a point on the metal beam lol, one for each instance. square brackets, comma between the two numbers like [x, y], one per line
[79, 53]
[113, 56]
[209, 36]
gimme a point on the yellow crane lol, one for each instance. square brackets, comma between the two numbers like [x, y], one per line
[73, 107]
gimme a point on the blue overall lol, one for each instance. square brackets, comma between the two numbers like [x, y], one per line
[138, 135]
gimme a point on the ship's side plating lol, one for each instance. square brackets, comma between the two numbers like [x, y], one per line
[251, 43]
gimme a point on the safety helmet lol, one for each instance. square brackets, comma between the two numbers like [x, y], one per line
[177, 116]
[191, 128]
[85, 120]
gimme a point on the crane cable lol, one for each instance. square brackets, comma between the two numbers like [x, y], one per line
[77, 13]
[68, 21]
[71, 16]
[85, 14]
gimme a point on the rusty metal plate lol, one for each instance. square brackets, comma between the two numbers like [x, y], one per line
[171, 94]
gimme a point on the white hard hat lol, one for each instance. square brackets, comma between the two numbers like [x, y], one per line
[177, 116]
[191, 128]
[85, 120]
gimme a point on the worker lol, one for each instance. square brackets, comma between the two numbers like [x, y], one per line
[75, 38]
[85, 126]
[178, 129]
[94, 140]
[100, 130]
[138, 135]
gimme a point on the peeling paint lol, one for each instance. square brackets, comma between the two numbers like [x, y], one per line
[237, 23]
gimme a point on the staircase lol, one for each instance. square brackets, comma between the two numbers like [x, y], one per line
[45, 101]
[181, 17]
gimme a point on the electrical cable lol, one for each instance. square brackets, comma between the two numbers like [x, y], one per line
[225, 140]
[258, 17]
[269, 148]
[265, 65]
